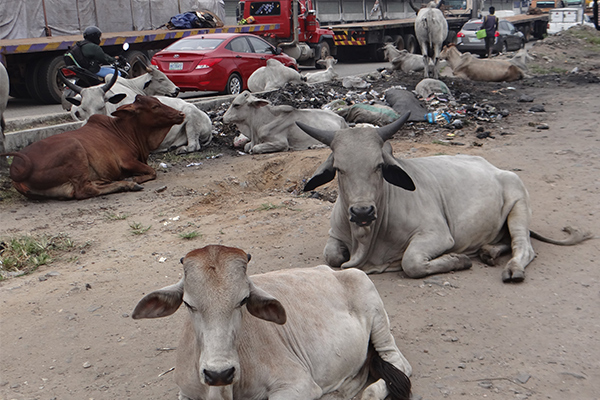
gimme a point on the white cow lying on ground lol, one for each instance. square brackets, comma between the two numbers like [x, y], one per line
[271, 128]
[273, 76]
[424, 215]
[190, 136]
[402, 59]
[468, 67]
[327, 75]
[295, 334]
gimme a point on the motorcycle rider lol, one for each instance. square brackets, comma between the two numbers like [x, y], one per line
[88, 54]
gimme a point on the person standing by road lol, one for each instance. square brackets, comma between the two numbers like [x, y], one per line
[88, 54]
[490, 24]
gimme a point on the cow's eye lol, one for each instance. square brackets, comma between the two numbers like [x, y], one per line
[189, 307]
[244, 301]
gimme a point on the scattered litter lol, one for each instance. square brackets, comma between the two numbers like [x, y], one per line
[194, 164]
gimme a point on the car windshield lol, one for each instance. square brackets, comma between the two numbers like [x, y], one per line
[472, 26]
[200, 43]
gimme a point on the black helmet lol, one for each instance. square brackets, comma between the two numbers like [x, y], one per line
[92, 34]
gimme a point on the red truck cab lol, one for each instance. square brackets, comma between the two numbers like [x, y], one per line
[304, 40]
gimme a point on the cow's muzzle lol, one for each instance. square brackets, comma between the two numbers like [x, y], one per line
[362, 215]
[219, 378]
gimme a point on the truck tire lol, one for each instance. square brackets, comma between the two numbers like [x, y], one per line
[19, 91]
[50, 87]
[451, 38]
[31, 81]
[324, 52]
[398, 42]
[410, 43]
[138, 61]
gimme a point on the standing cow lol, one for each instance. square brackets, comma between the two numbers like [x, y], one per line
[97, 158]
[425, 215]
[271, 128]
[295, 334]
[431, 29]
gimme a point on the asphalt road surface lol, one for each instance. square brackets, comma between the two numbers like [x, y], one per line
[24, 108]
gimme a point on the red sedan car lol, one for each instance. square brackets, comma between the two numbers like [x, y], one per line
[220, 62]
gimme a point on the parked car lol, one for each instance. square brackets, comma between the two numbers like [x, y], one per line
[220, 62]
[508, 38]
[563, 18]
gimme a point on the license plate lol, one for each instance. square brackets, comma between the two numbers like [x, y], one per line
[175, 66]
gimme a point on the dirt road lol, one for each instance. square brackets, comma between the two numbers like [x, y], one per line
[66, 331]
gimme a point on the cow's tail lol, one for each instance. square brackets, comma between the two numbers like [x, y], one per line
[576, 236]
[397, 382]
[19, 170]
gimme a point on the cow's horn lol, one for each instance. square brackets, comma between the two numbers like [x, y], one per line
[386, 132]
[413, 6]
[325, 137]
[69, 84]
[112, 81]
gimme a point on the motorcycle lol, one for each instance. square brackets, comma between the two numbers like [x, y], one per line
[84, 78]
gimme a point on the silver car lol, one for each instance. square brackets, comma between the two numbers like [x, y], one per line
[508, 38]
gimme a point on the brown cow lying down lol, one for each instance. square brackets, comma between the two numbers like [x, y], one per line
[468, 67]
[96, 158]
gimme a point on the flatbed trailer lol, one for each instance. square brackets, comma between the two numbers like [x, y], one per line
[33, 63]
[372, 35]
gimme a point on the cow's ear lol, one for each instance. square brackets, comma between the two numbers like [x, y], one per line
[393, 173]
[74, 101]
[117, 98]
[124, 111]
[147, 84]
[264, 306]
[160, 303]
[258, 103]
[325, 173]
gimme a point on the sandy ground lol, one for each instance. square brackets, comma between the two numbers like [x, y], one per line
[66, 330]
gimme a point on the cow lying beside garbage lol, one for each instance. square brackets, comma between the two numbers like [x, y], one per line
[295, 334]
[465, 66]
[194, 133]
[271, 128]
[323, 76]
[402, 59]
[425, 215]
[273, 76]
[97, 158]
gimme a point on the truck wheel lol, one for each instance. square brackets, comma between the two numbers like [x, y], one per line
[234, 84]
[19, 91]
[398, 42]
[451, 37]
[138, 62]
[50, 86]
[324, 52]
[31, 81]
[410, 43]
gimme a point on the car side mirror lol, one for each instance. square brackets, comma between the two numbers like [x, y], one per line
[276, 50]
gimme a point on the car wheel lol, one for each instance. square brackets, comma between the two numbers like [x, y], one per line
[234, 84]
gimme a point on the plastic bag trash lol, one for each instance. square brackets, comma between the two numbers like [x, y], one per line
[436, 117]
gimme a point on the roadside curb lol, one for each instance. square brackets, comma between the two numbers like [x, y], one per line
[22, 137]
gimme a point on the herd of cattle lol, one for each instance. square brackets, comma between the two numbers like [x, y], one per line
[422, 216]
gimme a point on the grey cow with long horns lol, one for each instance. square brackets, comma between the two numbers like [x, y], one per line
[431, 29]
[425, 215]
